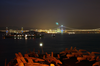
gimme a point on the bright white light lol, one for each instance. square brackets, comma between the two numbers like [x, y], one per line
[25, 35]
[61, 25]
[41, 44]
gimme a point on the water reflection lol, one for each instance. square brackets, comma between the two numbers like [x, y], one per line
[33, 37]
[40, 37]
[41, 45]
[25, 38]
[14, 37]
[26, 41]
[21, 37]
[3, 37]
[18, 37]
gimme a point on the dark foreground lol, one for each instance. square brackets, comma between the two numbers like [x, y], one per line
[72, 61]
[62, 57]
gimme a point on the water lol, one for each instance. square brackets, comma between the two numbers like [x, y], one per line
[8, 47]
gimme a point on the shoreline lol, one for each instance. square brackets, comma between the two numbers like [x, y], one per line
[58, 59]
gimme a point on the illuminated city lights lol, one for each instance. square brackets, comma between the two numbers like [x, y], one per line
[60, 29]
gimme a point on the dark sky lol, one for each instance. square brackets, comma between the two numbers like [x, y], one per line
[45, 13]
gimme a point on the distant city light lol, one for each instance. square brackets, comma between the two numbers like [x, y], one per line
[25, 35]
[57, 23]
[61, 25]
[22, 31]
[6, 31]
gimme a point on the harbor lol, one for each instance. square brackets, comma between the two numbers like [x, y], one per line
[49, 33]
[55, 44]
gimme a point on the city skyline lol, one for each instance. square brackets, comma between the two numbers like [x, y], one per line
[43, 14]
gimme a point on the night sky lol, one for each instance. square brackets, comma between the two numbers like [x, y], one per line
[80, 14]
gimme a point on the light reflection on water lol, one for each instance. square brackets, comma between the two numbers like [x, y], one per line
[23, 38]
[8, 47]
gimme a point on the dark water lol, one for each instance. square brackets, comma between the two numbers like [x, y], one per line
[8, 47]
